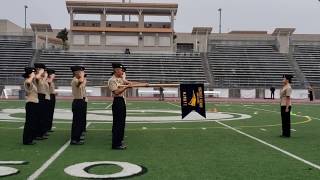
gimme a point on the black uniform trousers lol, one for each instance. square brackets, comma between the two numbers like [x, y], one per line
[119, 121]
[52, 104]
[311, 96]
[161, 98]
[79, 110]
[272, 94]
[84, 124]
[286, 121]
[44, 114]
[30, 125]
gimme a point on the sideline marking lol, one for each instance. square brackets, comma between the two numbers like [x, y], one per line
[44, 166]
[272, 146]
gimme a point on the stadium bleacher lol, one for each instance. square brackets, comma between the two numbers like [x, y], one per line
[153, 68]
[258, 65]
[14, 56]
[231, 65]
[308, 58]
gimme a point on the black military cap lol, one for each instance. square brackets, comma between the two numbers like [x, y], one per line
[117, 65]
[39, 65]
[50, 71]
[28, 71]
[287, 76]
[77, 68]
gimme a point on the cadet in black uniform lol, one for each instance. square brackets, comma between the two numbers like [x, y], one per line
[52, 102]
[79, 104]
[310, 90]
[44, 97]
[118, 105]
[31, 106]
[161, 98]
[272, 90]
[285, 96]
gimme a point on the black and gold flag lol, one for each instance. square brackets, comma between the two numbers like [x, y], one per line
[192, 99]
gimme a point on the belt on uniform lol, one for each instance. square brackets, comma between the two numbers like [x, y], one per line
[84, 98]
[41, 96]
[117, 96]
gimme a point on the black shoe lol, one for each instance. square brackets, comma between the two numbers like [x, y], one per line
[30, 143]
[73, 142]
[122, 147]
[41, 138]
[51, 131]
[283, 136]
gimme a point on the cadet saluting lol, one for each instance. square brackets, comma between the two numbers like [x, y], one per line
[52, 103]
[285, 96]
[79, 104]
[44, 97]
[31, 107]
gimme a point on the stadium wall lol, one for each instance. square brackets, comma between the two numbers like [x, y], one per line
[199, 41]
[7, 26]
[306, 38]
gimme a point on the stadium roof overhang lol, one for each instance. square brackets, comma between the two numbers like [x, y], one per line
[201, 30]
[283, 31]
[248, 32]
[41, 27]
[98, 7]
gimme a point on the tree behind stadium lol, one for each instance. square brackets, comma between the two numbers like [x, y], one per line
[63, 35]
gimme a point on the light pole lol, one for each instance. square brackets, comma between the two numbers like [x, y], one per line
[123, 16]
[219, 20]
[25, 18]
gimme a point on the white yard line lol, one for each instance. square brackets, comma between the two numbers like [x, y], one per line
[279, 112]
[261, 109]
[173, 104]
[267, 144]
[44, 166]
[12, 121]
[272, 146]
[99, 103]
[108, 106]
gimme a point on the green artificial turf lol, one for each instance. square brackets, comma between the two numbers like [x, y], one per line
[198, 150]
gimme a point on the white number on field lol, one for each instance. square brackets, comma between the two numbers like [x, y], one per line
[8, 171]
[81, 170]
